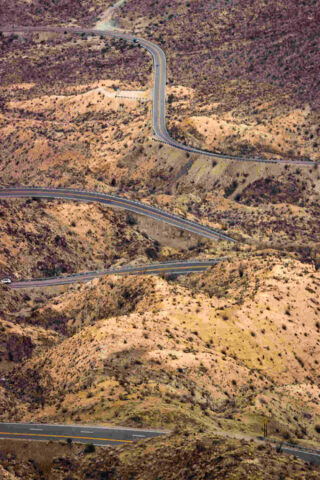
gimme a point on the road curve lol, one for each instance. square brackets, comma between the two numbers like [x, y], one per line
[103, 435]
[78, 433]
[115, 202]
[179, 268]
[305, 455]
[159, 90]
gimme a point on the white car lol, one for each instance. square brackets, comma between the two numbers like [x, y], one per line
[5, 280]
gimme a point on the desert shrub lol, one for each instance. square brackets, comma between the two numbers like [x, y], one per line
[230, 188]
[131, 220]
[152, 253]
[90, 448]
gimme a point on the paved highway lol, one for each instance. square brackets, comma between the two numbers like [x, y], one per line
[180, 268]
[108, 436]
[159, 90]
[101, 435]
[78, 433]
[116, 202]
[307, 456]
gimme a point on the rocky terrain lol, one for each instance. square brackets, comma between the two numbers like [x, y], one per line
[252, 68]
[187, 456]
[220, 349]
[213, 352]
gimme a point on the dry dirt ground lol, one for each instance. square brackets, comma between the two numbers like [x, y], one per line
[221, 349]
[249, 71]
[179, 456]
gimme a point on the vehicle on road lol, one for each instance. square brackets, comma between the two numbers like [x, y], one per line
[5, 280]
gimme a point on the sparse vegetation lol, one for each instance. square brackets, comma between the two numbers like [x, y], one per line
[221, 349]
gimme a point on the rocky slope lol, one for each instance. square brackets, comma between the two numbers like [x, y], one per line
[224, 348]
[252, 68]
[186, 456]
[220, 350]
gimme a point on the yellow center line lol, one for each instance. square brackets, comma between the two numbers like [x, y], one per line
[66, 436]
[160, 77]
[117, 201]
[160, 66]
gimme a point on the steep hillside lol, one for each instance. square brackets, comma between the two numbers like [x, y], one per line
[252, 67]
[185, 456]
[217, 351]
[35, 12]
[77, 237]
[222, 349]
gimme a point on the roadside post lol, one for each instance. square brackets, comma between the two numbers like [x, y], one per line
[265, 427]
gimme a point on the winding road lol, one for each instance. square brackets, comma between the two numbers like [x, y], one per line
[178, 268]
[159, 90]
[116, 202]
[160, 133]
[103, 435]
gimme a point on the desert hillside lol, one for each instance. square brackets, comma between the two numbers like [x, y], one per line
[204, 355]
[221, 349]
[181, 455]
[252, 68]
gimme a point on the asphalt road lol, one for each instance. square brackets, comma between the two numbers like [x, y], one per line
[180, 268]
[310, 457]
[159, 91]
[78, 433]
[116, 202]
[107, 436]
[103, 436]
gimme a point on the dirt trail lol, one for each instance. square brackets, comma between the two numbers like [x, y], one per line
[106, 21]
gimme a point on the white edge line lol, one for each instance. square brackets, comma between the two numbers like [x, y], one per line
[85, 426]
